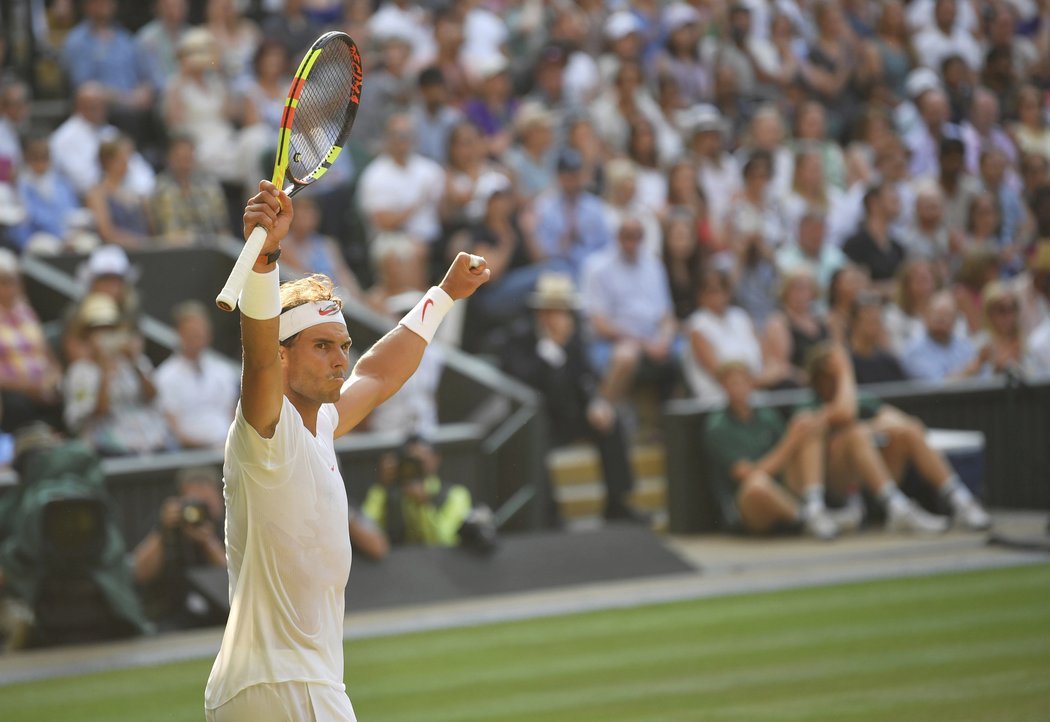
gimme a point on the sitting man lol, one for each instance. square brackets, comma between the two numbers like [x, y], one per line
[873, 361]
[410, 502]
[547, 353]
[877, 443]
[186, 536]
[749, 448]
[941, 352]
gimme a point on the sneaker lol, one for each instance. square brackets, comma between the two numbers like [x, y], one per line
[819, 524]
[971, 516]
[849, 517]
[910, 517]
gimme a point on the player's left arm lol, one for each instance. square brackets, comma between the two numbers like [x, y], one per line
[394, 358]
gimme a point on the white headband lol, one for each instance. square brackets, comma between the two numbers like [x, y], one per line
[309, 314]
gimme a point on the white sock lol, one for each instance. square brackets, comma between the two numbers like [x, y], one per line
[892, 498]
[956, 492]
[814, 499]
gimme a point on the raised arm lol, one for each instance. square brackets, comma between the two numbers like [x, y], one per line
[388, 364]
[262, 383]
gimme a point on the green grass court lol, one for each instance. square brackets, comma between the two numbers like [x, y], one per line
[959, 647]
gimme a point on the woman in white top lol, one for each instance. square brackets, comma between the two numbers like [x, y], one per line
[718, 333]
[903, 319]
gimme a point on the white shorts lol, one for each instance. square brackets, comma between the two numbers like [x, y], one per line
[285, 702]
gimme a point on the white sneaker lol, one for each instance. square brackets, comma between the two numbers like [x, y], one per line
[819, 524]
[970, 515]
[909, 517]
[849, 517]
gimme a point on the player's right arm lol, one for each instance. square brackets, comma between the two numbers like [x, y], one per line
[262, 385]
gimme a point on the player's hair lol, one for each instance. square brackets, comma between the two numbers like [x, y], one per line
[315, 287]
[817, 360]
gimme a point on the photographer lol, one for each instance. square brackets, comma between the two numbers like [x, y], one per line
[411, 503]
[186, 536]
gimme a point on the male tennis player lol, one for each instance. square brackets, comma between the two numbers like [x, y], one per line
[286, 509]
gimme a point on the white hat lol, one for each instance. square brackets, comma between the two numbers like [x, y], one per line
[920, 80]
[490, 66]
[621, 24]
[704, 117]
[679, 14]
[392, 27]
[108, 260]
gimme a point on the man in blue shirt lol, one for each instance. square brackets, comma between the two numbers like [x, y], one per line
[570, 225]
[100, 50]
[940, 354]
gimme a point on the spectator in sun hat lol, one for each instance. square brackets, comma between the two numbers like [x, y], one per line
[29, 375]
[623, 35]
[106, 271]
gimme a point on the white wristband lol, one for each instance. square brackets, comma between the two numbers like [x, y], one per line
[424, 319]
[261, 297]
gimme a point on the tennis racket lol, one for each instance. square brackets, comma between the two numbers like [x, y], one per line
[318, 114]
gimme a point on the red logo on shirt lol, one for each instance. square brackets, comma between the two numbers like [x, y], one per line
[329, 310]
[428, 302]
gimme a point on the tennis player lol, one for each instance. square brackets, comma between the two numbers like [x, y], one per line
[286, 509]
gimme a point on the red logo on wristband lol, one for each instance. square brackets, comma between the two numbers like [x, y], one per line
[428, 302]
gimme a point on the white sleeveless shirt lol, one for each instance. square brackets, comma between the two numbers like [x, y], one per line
[288, 550]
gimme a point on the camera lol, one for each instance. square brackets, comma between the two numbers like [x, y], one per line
[195, 512]
[409, 469]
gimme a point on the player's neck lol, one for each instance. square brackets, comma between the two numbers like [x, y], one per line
[307, 409]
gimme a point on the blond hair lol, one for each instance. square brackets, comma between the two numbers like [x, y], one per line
[315, 287]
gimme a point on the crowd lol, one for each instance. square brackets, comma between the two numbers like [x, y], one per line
[708, 182]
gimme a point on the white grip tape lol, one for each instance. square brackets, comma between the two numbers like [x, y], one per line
[426, 316]
[227, 298]
[261, 296]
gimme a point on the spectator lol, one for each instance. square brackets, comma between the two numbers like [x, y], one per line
[1030, 131]
[387, 92]
[893, 46]
[684, 193]
[266, 90]
[1033, 288]
[940, 352]
[468, 172]
[944, 36]
[795, 329]
[928, 236]
[828, 72]
[628, 308]
[14, 117]
[411, 503]
[532, 159]
[755, 210]
[777, 58]
[492, 105]
[291, 27]
[811, 134]
[414, 21]
[109, 395]
[198, 104]
[1014, 227]
[30, 378]
[984, 224]
[100, 50]
[305, 250]
[856, 422]
[1002, 349]
[621, 202]
[570, 225]
[959, 87]
[186, 536]
[650, 176]
[978, 268]
[683, 261]
[107, 271]
[768, 479]
[188, 206]
[904, 316]
[680, 57]
[873, 361]
[547, 352]
[197, 391]
[958, 186]
[767, 133]
[401, 190]
[717, 171]
[158, 39]
[581, 137]
[52, 207]
[236, 37]
[982, 132]
[873, 247]
[433, 116]
[75, 144]
[400, 270]
[448, 34]
[926, 140]
[846, 284]
[718, 333]
[121, 215]
[811, 252]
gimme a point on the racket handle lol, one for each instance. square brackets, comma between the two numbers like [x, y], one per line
[227, 298]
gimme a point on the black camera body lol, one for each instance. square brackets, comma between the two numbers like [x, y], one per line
[195, 512]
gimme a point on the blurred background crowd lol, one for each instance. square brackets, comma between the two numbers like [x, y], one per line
[659, 188]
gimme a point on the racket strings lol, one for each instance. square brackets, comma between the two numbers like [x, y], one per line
[321, 116]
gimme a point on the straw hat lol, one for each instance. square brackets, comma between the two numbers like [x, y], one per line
[555, 291]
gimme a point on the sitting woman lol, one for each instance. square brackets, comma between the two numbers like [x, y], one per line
[108, 395]
[120, 213]
[903, 318]
[795, 328]
[846, 284]
[1001, 345]
[719, 333]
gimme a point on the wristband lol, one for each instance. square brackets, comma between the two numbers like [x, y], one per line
[261, 297]
[425, 317]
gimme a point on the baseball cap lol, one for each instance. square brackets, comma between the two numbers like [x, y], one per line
[680, 14]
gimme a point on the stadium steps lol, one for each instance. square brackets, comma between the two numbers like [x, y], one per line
[576, 478]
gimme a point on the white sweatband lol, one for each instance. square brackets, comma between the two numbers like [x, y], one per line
[261, 296]
[424, 319]
[309, 314]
